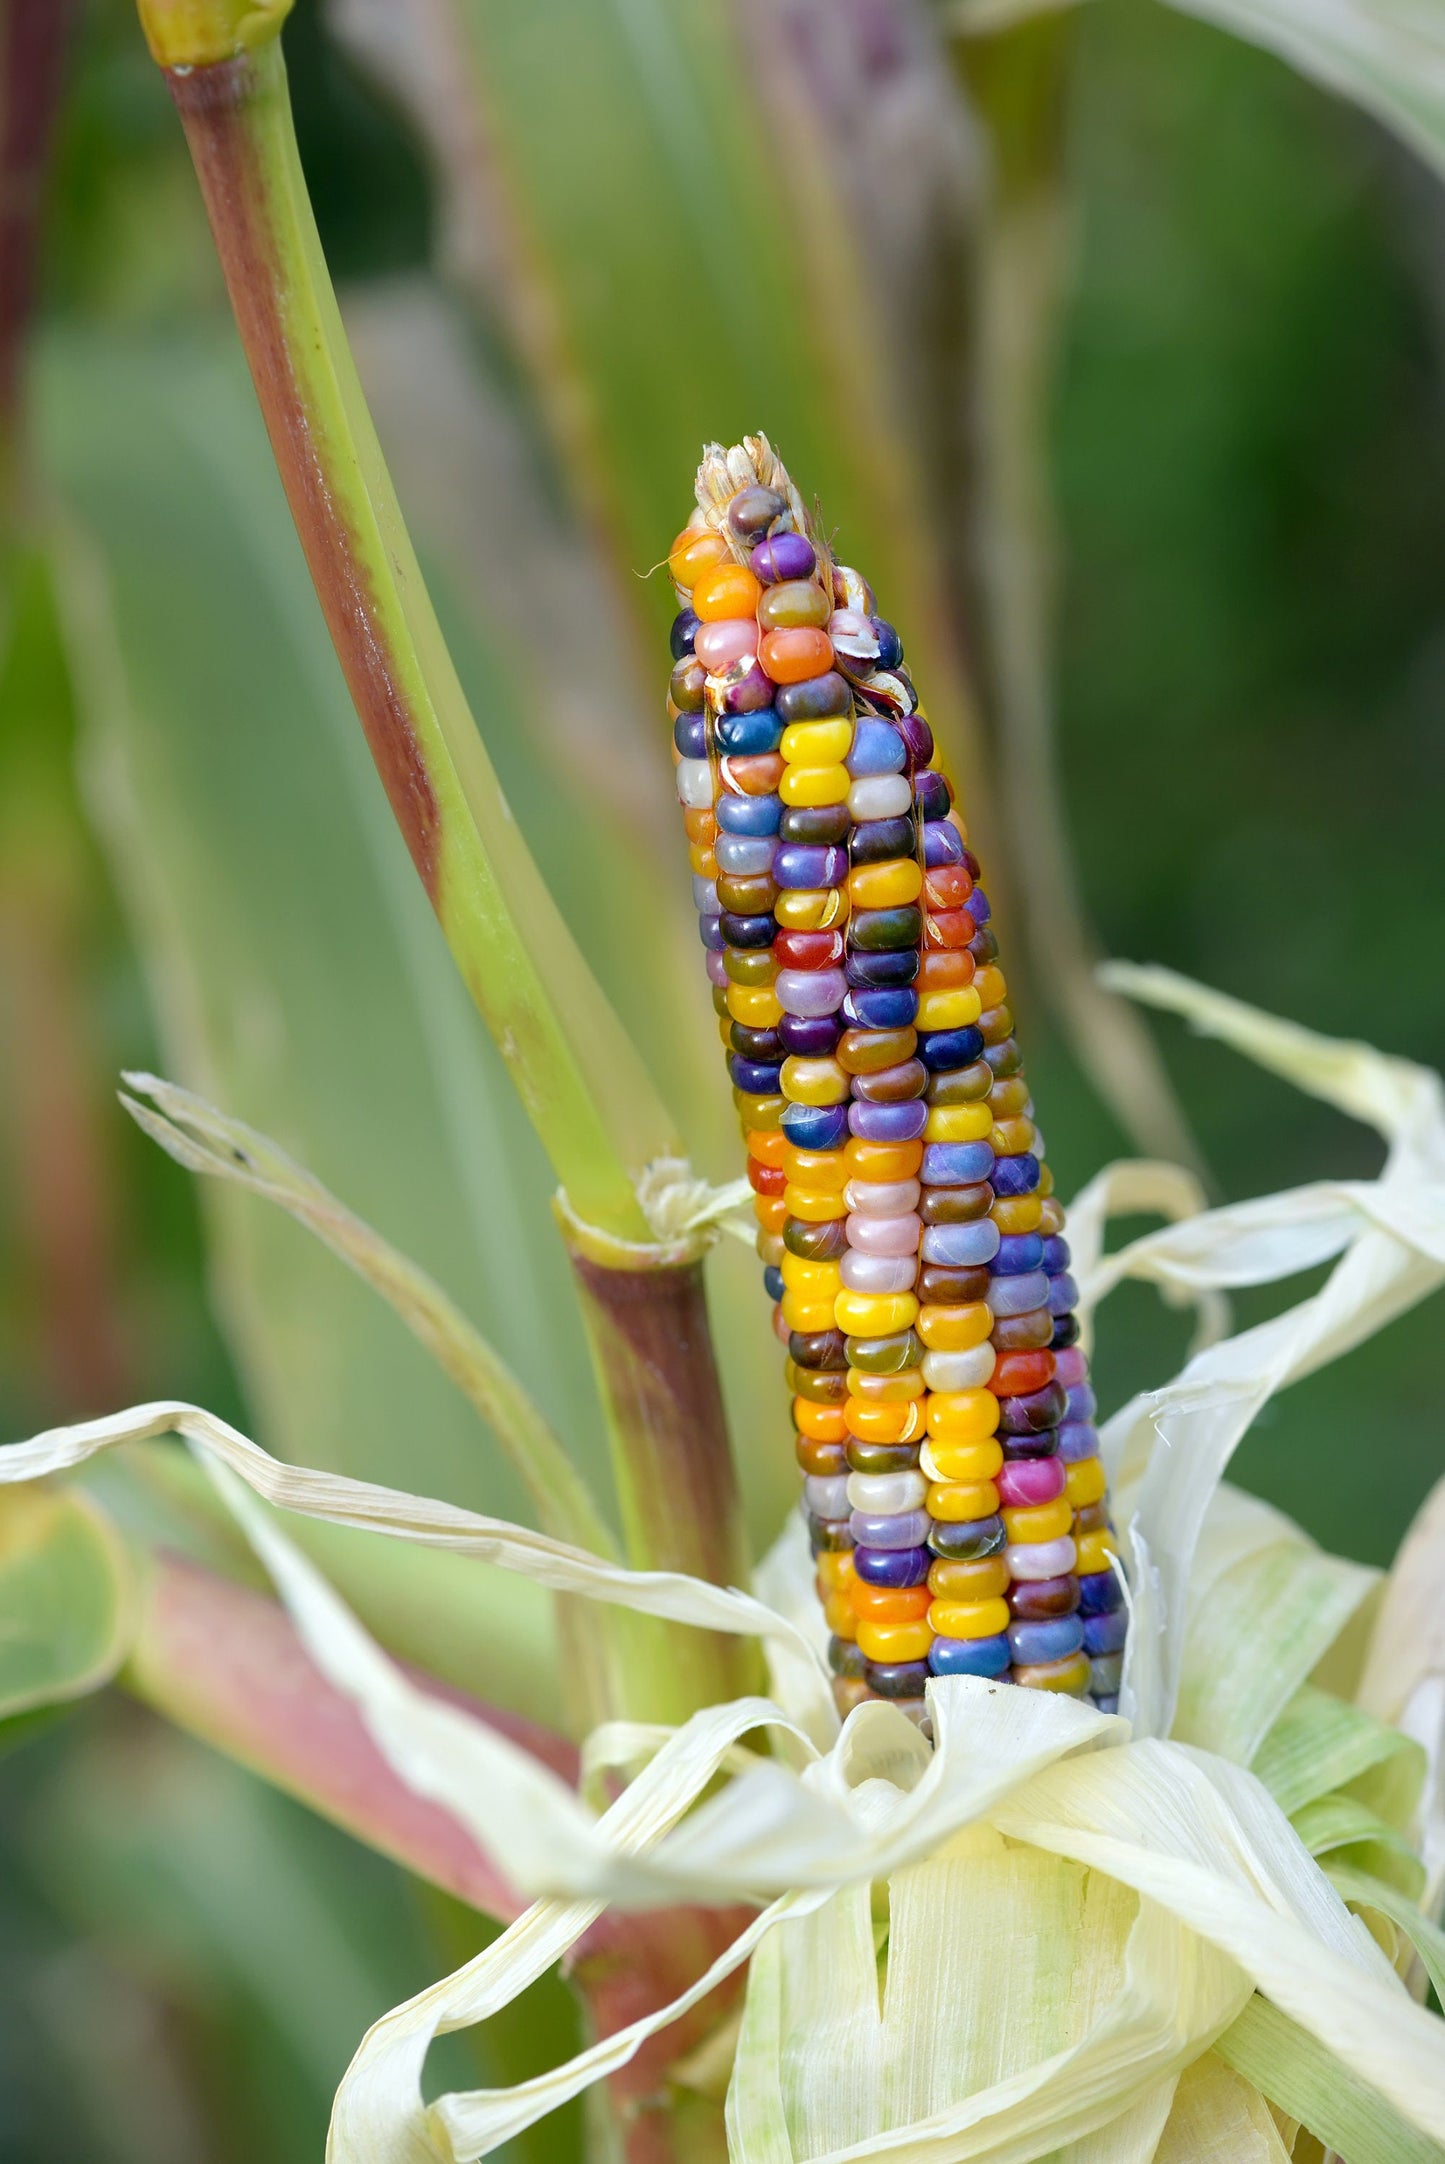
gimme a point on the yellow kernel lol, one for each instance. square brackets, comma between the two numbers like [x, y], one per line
[969, 1618]
[811, 1277]
[875, 1314]
[813, 1205]
[759, 1115]
[756, 1006]
[835, 1570]
[814, 1082]
[694, 553]
[966, 1461]
[894, 1641]
[1010, 1138]
[885, 886]
[811, 909]
[817, 743]
[957, 1123]
[838, 1610]
[960, 1502]
[985, 1578]
[988, 983]
[814, 785]
[1017, 1213]
[886, 1389]
[1085, 1483]
[955, 1329]
[826, 1169]
[800, 1312]
[962, 1416]
[1034, 1522]
[1071, 1676]
[954, 1008]
[1095, 1549]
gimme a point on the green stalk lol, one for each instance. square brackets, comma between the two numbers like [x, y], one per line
[584, 1087]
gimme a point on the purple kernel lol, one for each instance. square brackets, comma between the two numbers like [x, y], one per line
[783, 556]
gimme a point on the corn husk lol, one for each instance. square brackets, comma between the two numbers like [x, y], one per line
[1014, 1944]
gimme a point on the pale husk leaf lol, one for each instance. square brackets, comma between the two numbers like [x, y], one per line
[1176, 1442]
[1219, 2119]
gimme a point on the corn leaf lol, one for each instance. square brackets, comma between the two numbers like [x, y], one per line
[205, 1141]
[1319, 1744]
[66, 1609]
[613, 163]
[1427, 1938]
[1295, 2072]
[1396, 1257]
[212, 700]
[1386, 56]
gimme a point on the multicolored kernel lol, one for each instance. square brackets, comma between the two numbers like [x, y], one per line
[908, 1231]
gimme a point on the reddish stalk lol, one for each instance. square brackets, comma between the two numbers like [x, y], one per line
[34, 36]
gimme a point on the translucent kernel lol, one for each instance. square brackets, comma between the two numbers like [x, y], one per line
[813, 1081]
[789, 657]
[811, 909]
[961, 1461]
[725, 589]
[958, 1123]
[810, 785]
[969, 1618]
[962, 1502]
[955, 1329]
[1038, 1522]
[816, 743]
[885, 886]
[1085, 1483]
[756, 1005]
[692, 554]
[866, 1314]
[952, 1009]
[894, 1641]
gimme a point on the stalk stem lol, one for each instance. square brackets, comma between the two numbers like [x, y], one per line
[645, 1313]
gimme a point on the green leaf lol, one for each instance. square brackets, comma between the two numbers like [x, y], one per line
[298, 975]
[1319, 1744]
[648, 173]
[205, 1141]
[1350, 1832]
[1286, 2064]
[65, 1606]
[1387, 56]
[1426, 1937]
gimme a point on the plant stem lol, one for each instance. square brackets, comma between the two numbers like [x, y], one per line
[582, 1083]
[34, 35]
[645, 1313]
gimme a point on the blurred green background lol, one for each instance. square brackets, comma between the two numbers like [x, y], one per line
[1245, 434]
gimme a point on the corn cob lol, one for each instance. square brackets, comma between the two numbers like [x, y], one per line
[910, 1239]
